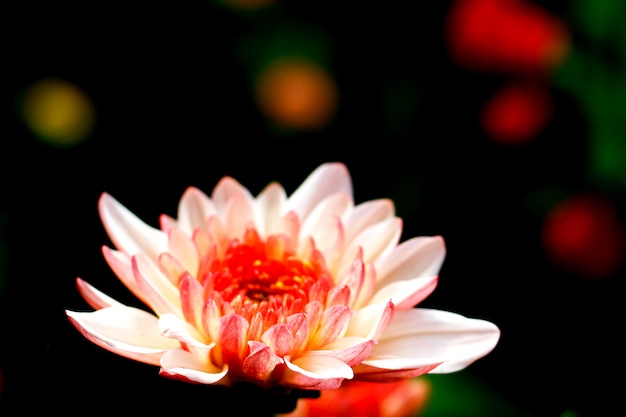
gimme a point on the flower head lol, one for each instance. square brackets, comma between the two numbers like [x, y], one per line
[301, 291]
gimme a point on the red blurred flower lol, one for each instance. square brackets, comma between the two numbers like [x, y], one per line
[584, 234]
[367, 399]
[504, 35]
[516, 113]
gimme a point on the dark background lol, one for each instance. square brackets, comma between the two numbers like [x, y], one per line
[174, 109]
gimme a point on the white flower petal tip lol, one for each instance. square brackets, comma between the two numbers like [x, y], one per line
[126, 331]
[302, 291]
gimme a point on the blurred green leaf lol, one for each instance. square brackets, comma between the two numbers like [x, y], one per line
[460, 394]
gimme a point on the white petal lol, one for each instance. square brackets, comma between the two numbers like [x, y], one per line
[325, 180]
[367, 321]
[269, 208]
[126, 331]
[194, 209]
[320, 367]
[367, 214]
[376, 241]
[174, 328]
[333, 206]
[420, 256]
[94, 297]
[406, 294]
[180, 364]
[225, 190]
[420, 337]
[129, 233]
[160, 293]
[184, 250]
[120, 263]
[238, 215]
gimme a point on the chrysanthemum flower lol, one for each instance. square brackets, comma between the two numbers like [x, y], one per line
[304, 291]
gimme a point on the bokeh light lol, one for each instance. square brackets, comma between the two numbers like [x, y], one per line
[584, 234]
[296, 94]
[505, 35]
[517, 113]
[58, 112]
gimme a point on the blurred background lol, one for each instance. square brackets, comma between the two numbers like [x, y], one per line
[498, 124]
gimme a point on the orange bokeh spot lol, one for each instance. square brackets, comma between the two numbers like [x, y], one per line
[505, 35]
[585, 235]
[516, 113]
[296, 94]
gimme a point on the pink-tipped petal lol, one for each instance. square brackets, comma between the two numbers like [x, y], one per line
[182, 365]
[194, 208]
[184, 250]
[120, 264]
[371, 374]
[160, 294]
[367, 214]
[375, 241]
[370, 321]
[406, 294]
[225, 190]
[367, 288]
[335, 321]
[171, 268]
[339, 295]
[269, 209]
[232, 338]
[422, 337]
[129, 233]
[167, 223]
[355, 280]
[192, 300]
[94, 297]
[238, 214]
[279, 339]
[333, 206]
[351, 350]
[175, 328]
[417, 257]
[126, 331]
[327, 179]
[316, 372]
[261, 362]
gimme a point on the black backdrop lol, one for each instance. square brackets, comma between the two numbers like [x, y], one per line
[174, 110]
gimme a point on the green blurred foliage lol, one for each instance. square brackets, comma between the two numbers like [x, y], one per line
[594, 72]
[461, 394]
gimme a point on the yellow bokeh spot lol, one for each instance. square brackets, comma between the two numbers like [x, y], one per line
[296, 94]
[57, 112]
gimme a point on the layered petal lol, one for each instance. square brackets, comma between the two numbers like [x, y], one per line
[126, 331]
[194, 208]
[416, 257]
[129, 233]
[425, 337]
[326, 180]
[182, 365]
[316, 372]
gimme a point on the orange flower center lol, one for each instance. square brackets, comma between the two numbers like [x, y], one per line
[258, 271]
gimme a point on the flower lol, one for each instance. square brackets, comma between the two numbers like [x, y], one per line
[404, 398]
[301, 292]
